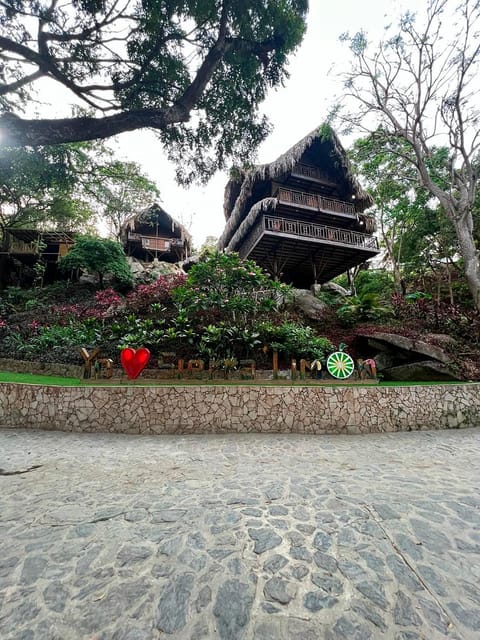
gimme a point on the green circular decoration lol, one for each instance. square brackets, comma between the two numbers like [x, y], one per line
[340, 365]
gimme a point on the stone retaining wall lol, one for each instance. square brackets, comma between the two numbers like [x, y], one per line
[243, 409]
[41, 368]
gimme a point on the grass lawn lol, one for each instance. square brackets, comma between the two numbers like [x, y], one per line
[28, 378]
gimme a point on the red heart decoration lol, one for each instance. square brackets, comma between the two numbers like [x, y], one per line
[134, 361]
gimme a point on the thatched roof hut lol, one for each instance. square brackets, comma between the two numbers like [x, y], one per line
[247, 195]
[153, 232]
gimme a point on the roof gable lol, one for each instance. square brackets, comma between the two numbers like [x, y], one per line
[321, 147]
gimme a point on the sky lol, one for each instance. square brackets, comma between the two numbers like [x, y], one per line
[294, 109]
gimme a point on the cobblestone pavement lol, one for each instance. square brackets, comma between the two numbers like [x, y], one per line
[260, 537]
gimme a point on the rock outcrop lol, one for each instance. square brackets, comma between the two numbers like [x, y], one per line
[146, 272]
[406, 359]
[311, 306]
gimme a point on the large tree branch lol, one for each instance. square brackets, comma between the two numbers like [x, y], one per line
[15, 131]
[18, 84]
[19, 132]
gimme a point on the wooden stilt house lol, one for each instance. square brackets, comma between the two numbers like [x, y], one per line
[301, 217]
[154, 234]
[24, 248]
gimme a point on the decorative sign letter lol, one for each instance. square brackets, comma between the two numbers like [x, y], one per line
[134, 361]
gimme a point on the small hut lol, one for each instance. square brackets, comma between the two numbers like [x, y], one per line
[24, 248]
[301, 217]
[154, 234]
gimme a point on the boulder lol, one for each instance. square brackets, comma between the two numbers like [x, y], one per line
[441, 339]
[146, 272]
[404, 347]
[157, 268]
[311, 306]
[424, 370]
[332, 287]
[191, 261]
[136, 266]
[406, 359]
[383, 361]
[87, 278]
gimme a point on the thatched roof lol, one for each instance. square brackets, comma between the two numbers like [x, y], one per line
[149, 218]
[263, 206]
[238, 191]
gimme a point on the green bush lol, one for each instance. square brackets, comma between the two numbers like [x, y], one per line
[295, 340]
[101, 257]
[53, 343]
[363, 308]
[224, 287]
[221, 342]
[368, 281]
[14, 299]
[377, 282]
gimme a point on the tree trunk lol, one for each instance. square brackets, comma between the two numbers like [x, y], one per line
[449, 280]
[389, 244]
[469, 254]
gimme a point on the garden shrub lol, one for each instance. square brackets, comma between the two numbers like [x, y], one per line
[223, 287]
[221, 342]
[142, 298]
[295, 340]
[49, 343]
[370, 281]
[361, 308]
[101, 257]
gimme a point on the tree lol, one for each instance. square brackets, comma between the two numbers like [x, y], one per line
[98, 256]
[419, 85]
[235, 290]
[38, 187]
[403, 208]
[195, 71]
[121, 190]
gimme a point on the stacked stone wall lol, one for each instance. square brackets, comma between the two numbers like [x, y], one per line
[239, 409]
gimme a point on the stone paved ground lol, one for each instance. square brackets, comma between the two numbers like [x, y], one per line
[256, 537]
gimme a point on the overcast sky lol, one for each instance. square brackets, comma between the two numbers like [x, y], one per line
[294, 110]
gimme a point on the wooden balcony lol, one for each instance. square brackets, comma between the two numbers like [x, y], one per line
[303, 248]
[312, 174]
[310, 231]
[19, 247]
[315, 202]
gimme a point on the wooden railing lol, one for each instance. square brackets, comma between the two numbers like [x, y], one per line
[19, 246]
[314, 201]
[312, 173]
[320, 232]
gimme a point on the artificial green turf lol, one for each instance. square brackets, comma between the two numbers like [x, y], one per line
[28, 378]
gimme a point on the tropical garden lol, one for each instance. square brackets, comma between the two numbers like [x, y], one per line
[410, 100]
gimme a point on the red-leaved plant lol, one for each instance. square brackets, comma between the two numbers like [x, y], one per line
[159, 291]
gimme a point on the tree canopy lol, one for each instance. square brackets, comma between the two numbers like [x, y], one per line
[412, 225]
[420, 85]
[39, 187]
[193, 70]
[70, 186]
[99, 256]
[120, 190]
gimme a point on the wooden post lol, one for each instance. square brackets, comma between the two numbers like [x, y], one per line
[180, 367]
[293, 369]
[275, 364]
[303, 366]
